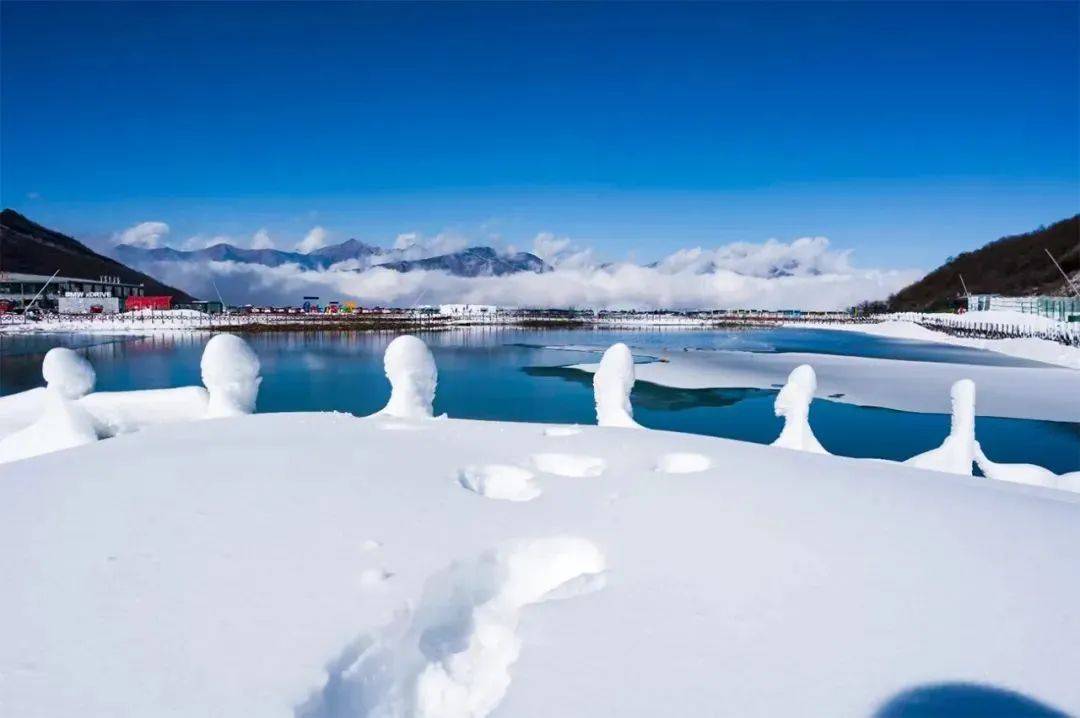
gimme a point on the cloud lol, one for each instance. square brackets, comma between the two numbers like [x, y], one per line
[261, 240]
[202, 241]
[315, 239]
[413, 245]
[147, 235]
[803, 274]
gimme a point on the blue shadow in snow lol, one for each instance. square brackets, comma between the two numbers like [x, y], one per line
[964, 700]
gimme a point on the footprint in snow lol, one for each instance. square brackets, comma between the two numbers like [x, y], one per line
[682, 463]
[571, 465]
[499, 481]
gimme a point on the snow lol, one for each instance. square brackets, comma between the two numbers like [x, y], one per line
[67, 373]
[793, 403]
[682, 462]
[1015, 392]
[498, 481]
[230, 372]
[957, 453]
[575, 466]
[612, 384]
[410, 367]
[61, 425]
[319, 565]
[1035, 349]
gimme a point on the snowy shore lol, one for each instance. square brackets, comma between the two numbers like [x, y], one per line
[327, 565]
[168, 553]
[1035, 349]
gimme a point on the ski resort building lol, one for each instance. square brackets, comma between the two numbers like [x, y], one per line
[1062, 309]
[20, 289]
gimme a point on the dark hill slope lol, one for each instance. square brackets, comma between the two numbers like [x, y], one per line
[28, 247]
[1013, 266]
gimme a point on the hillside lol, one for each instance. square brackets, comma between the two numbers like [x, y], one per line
[28, 247]
[1013, 266]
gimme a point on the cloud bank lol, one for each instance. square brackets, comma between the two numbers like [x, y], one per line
[803, 274]
[148, 235]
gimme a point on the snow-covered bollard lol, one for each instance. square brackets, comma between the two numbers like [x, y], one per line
[410, 367]
[612, 384]
[230, 372]
[957, 453]
[63, 424]
[793, 403]
[67, 374]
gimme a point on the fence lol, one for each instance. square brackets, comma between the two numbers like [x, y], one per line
[1067, 334]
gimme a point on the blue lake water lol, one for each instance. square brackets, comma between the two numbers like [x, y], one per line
[516, 375]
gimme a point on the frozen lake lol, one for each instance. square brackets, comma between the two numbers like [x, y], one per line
[520, 375]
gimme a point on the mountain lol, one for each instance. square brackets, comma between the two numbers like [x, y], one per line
[28, 247]
[1014, 266]
[473, 262]
[318, 259]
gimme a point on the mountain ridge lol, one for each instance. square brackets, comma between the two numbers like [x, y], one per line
[28, 247]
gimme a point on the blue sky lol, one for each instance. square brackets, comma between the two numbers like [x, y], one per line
[906, 132]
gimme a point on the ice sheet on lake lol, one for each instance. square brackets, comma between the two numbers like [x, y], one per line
[1018, 392]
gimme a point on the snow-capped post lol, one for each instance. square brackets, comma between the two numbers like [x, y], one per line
[612, 384]
[410, 367]
[67, 374]
[793, 403]
[957, 453]
[63, 424]
[230, 371]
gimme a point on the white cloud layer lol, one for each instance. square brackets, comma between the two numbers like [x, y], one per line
[315, 239]
[261, 240]
[803, 274]
[148, 235]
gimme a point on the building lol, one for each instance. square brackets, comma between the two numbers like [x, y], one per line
[20, 289]
[148, 302]
[88, 303]
[1063, 309]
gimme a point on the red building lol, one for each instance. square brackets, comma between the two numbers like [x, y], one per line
[153, 302]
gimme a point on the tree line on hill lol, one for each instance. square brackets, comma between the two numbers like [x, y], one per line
[1016, 265]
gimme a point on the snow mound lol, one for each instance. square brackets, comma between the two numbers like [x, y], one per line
[612, 384]
[67, 373]
[957, 453]
[574, 466]
[62, 425]
[410, 367]
[451, 657]
[498, 481]
[683, 463]
[1029, 474]
[230, 371]
[793, 403]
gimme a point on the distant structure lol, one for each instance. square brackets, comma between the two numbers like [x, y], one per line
[458, 310]
[81, 294]
[1063, 309]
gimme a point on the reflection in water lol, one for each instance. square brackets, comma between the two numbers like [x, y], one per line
[964, 700]
[659, 398]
